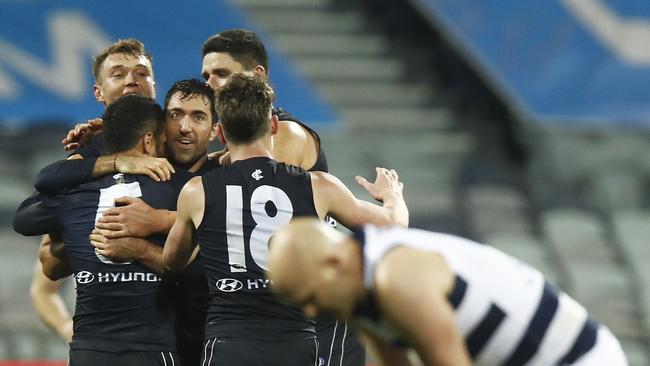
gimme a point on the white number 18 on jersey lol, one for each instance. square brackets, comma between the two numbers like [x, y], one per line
[265, 224]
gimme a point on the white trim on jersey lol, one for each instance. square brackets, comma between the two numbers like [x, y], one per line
[316, 345]
[329, 358]
[345, 331]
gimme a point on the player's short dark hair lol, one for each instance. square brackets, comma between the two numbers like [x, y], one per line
[130, 46]
[243, 45]
[192, 88]
[128, 119]
[244, 107]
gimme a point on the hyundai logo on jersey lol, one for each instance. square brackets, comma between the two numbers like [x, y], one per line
[229, 285]
[84, 277]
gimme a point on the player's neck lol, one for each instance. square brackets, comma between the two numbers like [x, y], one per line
[195, 166]
[257, 149]
[136, 151]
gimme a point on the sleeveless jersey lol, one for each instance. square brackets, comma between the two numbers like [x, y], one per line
[321, 161]
[245, 203]
[505, 309]
[119, 306]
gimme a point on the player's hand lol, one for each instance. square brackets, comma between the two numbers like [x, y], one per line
[386, 184]
[131, 217]
[222, 156]
[117, 250]
[158, 169]
[81, 133]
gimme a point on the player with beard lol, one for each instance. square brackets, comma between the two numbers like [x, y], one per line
[123, 314]
[233, 210]
[189, 126]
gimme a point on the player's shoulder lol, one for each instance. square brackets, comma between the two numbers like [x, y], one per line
[282, 169]
[284, 115]
[193, 186]
[293, 127]
[292, 138]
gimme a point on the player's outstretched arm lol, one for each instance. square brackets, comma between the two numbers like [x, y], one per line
[72, 172]
[411, 289]
[49, 305]
[181, 241]
[332, 197]
[63, 174]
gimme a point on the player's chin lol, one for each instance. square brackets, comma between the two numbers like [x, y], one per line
[182, 156]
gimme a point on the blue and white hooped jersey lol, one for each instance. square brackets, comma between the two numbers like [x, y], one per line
[505, 309]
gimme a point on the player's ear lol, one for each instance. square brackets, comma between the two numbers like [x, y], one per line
[220, 134]
[274, 124]
[213, 132]
[99, 96]
[148, 143]
[330, 268]
[260, 70]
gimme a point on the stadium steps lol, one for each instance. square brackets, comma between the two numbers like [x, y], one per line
[597, 276]
[332, 44]
[350, 67]
[602, 173]
[389, 117]
[306, 21]
[550, 209]
[380, 94]
[496, 208]
[526, 245]
[616, 189]
[632, 231]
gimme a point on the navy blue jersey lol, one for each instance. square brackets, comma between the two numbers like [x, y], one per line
[245, 203]
[120, 306]
[93, 148]
[321, 160]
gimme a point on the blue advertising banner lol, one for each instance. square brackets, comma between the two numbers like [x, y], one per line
[46, 51]
[584, 62]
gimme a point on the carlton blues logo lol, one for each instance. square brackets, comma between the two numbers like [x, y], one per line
[229, 285]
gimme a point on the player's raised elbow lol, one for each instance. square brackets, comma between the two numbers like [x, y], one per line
[20, 226]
